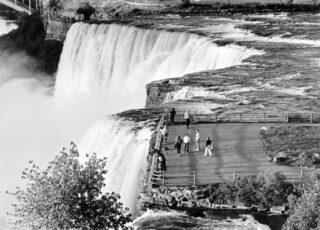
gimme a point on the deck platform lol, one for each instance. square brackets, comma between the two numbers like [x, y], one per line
[237, 149]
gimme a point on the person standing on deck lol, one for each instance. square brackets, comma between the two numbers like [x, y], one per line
[172, 115]
[187, 117]
[197, 139]
[162, 162]
[208, 147]
[186, 141]
[165, 133]
[166, 116]
[178, 145]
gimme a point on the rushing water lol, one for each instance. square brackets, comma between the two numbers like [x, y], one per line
[118, 61]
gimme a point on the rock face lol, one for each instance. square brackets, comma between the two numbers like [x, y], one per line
[57, 28]
[157, 91]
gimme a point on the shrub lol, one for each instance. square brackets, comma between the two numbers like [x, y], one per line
[67, 195]
[305, 210]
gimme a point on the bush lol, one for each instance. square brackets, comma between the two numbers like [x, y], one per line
[305, 210]
[269, 189]
[67, 195]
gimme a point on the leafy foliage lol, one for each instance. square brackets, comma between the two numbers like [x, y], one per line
[305, 210]
[270, 189]
[67, 195]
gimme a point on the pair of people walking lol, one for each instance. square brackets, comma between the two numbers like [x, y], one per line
[208, 144]
[179, 142]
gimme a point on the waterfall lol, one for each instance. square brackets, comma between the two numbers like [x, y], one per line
[126, 146]
[116, 61]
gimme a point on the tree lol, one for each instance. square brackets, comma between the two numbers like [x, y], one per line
[305, 210]
[67, 195]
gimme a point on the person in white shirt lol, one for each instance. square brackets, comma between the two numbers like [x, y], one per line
[197, 139]
[165, 133]
[186, 141]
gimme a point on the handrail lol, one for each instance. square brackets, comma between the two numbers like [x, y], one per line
[154, 172]
[191, 176]
[251, 117]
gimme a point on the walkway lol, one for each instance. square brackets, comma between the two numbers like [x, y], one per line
[19, 6]
[237, 147]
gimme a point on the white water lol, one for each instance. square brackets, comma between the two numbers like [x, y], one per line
[126, 151]
[118, 61]
[153, 219]
[230, 31]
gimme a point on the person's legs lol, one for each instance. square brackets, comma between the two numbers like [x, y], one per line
[188, 123]
[187, 147]
[198, 145]
[206, 151]
[178, 149]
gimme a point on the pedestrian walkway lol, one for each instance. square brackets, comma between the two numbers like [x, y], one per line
[236, 148]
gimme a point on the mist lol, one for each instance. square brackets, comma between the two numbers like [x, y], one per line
[32, 126]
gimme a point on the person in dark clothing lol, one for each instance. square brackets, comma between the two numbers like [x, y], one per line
[187, 117]
[172, 115]
[178, 144]
[208, 148]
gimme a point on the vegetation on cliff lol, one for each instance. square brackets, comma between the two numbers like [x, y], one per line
[68, 195]
[30, 38]
[292, 145]
[305, 210]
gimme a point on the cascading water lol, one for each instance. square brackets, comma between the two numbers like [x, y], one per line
[126, 148]
[117, 61]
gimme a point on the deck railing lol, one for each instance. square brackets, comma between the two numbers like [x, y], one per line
[250, 117]
[156, 176]
[192, 178]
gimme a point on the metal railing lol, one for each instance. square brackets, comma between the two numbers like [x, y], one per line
[156, 176]
[195, 178]
[250, 117]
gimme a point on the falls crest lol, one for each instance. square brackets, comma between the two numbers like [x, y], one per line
[118, 61]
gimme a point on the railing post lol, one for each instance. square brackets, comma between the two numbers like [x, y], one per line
[234, 175]
[301, 174]
[287, 117]
[240, 116]
[311, 117]
[264, 116]
[216, 118]
[163, 179]
[29, 6]
[194, 178]
[15, 2]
